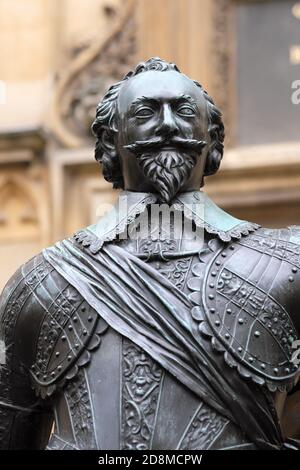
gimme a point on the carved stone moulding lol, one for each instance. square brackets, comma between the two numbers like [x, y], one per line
[22, 145]
[87, 77]
[23, 203]
[222, 57]
[22, 213]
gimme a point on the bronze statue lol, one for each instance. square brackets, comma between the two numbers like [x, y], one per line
[134, 341]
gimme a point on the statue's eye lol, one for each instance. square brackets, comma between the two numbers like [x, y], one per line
[144, 112]
[186, 111]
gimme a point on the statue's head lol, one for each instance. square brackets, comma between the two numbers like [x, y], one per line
[158, 131]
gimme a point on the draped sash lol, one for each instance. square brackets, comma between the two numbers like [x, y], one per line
[142, 305]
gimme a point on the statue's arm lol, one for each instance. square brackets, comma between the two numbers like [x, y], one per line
[291, 416]
[25, 420]
[291, 413]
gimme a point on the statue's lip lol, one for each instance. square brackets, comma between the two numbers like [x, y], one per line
[168, 147]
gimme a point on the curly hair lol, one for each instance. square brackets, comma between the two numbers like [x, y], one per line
[105, 129]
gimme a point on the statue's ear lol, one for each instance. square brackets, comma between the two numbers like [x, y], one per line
[106, 154]
[105, 144]
[215, 150]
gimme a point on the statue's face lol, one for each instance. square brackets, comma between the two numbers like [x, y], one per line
[162, 139]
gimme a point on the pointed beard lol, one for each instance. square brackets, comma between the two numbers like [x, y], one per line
[167, 171]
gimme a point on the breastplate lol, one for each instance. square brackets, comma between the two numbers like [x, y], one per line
[124, 400]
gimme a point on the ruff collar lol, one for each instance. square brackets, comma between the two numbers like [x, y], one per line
[130, 204]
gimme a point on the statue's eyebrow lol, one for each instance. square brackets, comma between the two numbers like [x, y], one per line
[156, 102]
[187, 98]
[143, 100]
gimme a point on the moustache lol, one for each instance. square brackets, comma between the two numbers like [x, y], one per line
[179, 143]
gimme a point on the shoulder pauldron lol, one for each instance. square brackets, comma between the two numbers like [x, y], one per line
[69, 331]
[247, 308]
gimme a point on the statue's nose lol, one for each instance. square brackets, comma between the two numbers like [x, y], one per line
[167, 125]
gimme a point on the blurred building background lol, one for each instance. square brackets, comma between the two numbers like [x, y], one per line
[59, 56]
